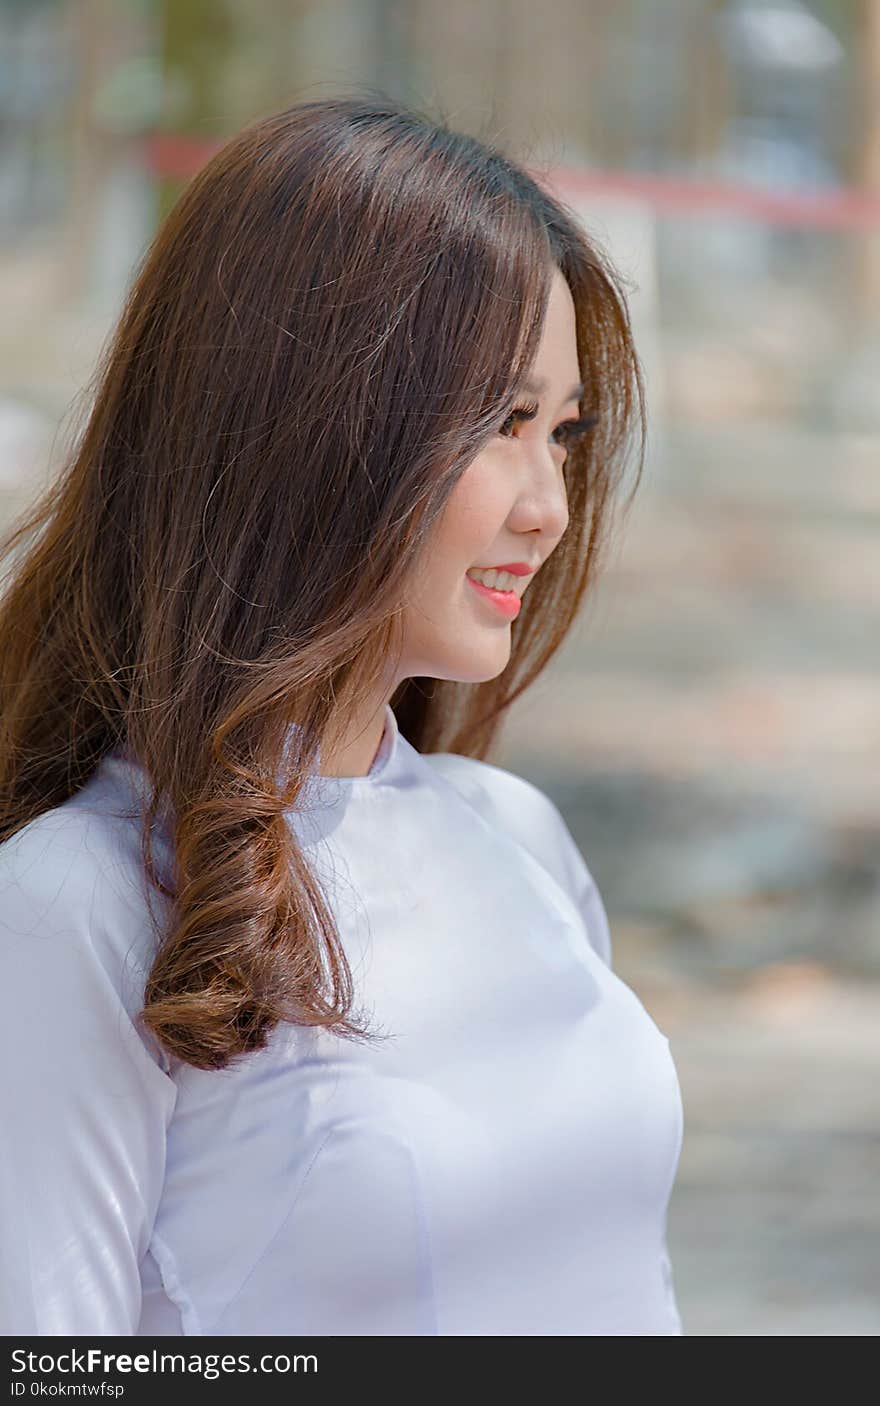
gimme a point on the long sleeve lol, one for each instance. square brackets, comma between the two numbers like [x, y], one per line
[84, 1103]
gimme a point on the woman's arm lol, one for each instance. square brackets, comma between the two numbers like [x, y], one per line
[84, 1104]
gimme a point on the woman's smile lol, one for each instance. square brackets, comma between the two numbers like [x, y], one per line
[507, 602]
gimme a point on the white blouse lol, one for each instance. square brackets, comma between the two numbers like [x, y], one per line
[500, 1163]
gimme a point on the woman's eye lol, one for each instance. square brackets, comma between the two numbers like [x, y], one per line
[573, 429]
[565, 433]
[568, 431]
[519, 412]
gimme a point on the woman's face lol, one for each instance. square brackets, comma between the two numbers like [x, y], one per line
[509, 506]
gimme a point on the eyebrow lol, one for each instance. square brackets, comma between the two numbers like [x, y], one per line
[535, 388]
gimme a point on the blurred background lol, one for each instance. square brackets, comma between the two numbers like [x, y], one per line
[712, 730]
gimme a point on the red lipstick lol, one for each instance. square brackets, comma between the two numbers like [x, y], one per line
[507, 602]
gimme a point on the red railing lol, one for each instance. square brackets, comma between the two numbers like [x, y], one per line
[846, 208]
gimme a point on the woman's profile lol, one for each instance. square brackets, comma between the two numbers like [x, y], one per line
[311, 1021]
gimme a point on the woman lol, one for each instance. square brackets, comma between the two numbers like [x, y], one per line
[312, 1014]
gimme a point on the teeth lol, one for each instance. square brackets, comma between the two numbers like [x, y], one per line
[499, 580]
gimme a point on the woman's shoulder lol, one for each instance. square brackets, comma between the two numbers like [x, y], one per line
[501, 795]
[73, 882]
[525, 812]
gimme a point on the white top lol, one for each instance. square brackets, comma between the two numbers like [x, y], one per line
[500, 1164]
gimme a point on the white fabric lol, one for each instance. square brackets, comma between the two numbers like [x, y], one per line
[499, 1164]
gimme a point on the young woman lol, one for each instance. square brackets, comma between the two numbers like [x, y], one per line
[310, 1025]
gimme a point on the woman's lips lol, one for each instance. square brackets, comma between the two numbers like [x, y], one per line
[507, 602]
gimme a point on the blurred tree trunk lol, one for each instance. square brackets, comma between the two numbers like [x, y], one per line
[706, 108]
[87, 39]
[867, 153]
[196, 38]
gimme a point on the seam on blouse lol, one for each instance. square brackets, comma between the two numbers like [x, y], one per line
[429, 1279]
[425, 1233]
[569, 902]
[174, 1288]
[230, 1299]
[669, 1289]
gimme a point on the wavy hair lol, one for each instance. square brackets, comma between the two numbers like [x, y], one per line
[328, 326]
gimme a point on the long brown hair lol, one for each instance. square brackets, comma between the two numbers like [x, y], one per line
[327, 328]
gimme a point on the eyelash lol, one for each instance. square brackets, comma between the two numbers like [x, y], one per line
[573, 429]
